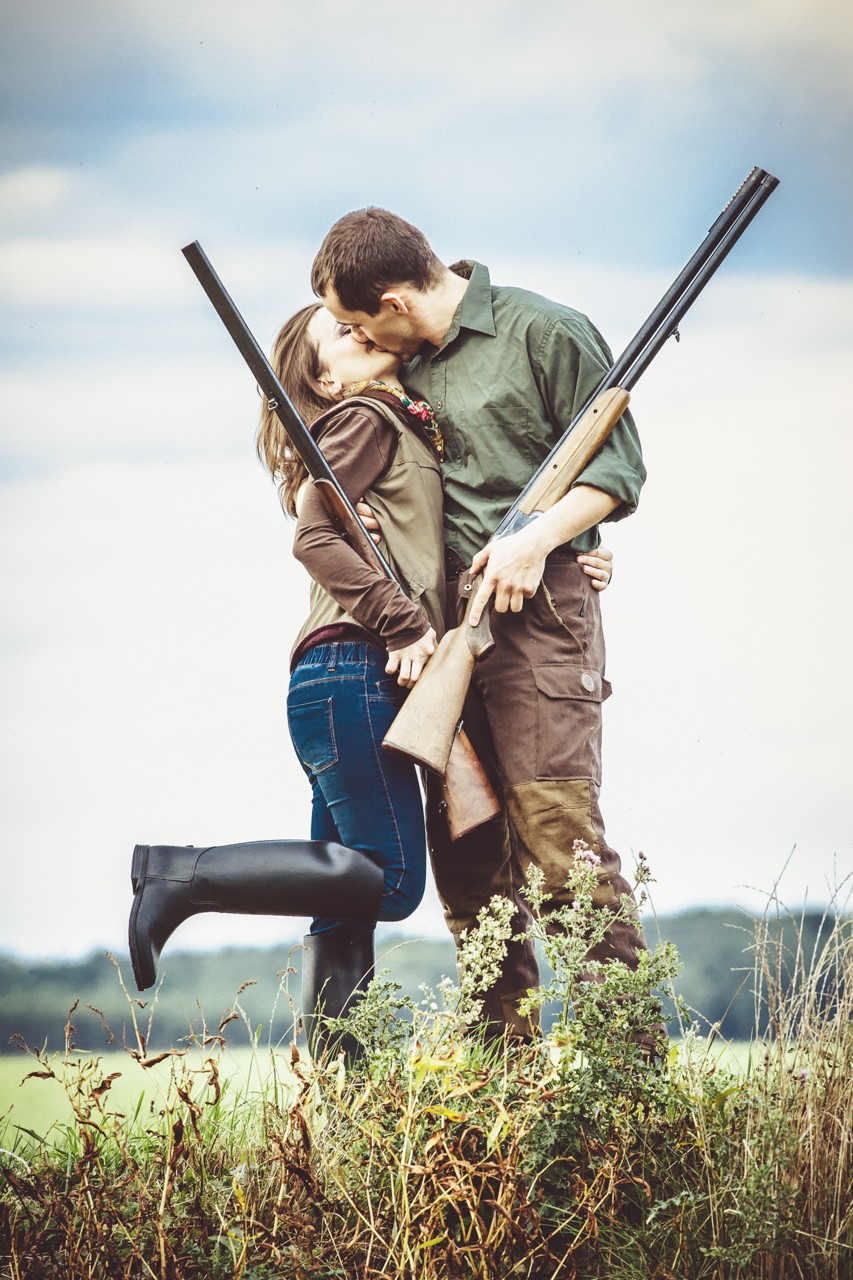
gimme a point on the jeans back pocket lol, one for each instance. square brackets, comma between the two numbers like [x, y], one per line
[312, 729]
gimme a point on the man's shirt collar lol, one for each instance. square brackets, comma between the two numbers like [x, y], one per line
[475, 310]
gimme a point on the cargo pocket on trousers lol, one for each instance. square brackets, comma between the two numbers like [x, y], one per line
[568, 721]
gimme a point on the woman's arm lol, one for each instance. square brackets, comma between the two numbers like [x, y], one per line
[359, 446]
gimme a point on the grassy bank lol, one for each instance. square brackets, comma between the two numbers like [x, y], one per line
[437, 1155]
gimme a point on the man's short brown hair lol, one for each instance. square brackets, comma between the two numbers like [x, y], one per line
[369, 251]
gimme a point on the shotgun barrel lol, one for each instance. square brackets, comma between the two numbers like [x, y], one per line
[663, 321]
[277, 398]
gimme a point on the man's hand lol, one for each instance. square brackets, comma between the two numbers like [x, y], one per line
[411, 660]
[368, 519]
[512, 569]
[598, 565]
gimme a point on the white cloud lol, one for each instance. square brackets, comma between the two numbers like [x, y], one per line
[150, 603]
[127, 407]
[83, 273]
[555, 43]
[576, 86]
[33, 191]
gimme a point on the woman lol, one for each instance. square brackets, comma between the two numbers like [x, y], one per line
[363, 643]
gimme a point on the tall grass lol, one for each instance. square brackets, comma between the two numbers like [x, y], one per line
[440, 1154]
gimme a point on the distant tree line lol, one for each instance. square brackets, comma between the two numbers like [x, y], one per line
[251, 993]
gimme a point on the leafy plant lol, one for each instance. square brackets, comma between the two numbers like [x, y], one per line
[599, 1150]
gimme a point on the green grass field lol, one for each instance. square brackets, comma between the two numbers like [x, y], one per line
[36, 1108]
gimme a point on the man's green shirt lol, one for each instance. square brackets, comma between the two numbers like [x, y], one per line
[511, 374]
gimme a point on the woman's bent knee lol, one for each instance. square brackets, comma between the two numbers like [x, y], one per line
[399, 903]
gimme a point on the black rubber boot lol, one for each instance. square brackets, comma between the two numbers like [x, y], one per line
[264, 877]
[336, 969]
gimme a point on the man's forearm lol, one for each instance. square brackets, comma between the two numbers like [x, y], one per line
[580, 509]
[512, 566]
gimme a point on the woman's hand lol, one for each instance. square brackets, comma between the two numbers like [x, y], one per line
[598, 565]
[411, 660]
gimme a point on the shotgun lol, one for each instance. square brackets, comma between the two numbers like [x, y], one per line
[468, 794]
[424, 726]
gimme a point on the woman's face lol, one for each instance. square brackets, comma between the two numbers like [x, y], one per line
[342, 359]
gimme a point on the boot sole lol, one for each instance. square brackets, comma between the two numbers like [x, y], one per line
[143, 975]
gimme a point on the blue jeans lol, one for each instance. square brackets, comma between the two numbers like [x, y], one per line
[339, 707]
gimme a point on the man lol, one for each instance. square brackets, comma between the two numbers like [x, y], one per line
[506, 371]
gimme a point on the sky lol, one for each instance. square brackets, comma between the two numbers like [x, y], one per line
[149, 597]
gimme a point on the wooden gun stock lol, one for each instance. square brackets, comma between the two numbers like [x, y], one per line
[425, 726]
[358, 537]
[469, 797]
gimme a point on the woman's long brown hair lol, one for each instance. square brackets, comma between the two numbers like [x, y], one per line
[294, 358]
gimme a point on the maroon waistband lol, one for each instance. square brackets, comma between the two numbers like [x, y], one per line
[342, 631]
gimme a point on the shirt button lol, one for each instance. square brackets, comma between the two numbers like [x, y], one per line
[439, 404]
[588, 681]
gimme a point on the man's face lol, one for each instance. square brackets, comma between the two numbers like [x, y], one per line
[393, 328]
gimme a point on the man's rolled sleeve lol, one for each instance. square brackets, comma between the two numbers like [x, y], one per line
[618, 468]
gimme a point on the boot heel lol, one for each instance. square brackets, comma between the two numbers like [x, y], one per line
[139, 866]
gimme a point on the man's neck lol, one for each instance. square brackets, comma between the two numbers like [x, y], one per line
[439, 307]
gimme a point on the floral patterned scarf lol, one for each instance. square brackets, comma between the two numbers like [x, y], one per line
[418, 408]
